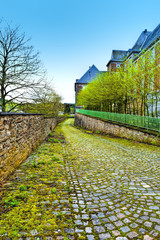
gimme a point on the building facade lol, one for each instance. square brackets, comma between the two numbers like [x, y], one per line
[148, 43]
[89, 76]
[145, 51]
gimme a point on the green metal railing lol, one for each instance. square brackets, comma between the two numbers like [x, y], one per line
[134, 120]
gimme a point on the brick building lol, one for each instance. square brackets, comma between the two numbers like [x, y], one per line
[116, 60]
[89, 75]
[148, 43]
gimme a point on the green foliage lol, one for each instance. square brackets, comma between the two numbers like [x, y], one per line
[102, 92]
[54, 140]
[97, 132]
[67, 108]
[34, 165]
[53, 190]
[23, 204]
[41, 162]
[81, 238]
[132, 89]
[51, 134]
[55, 159]
[22, 196]
[144, 122]
[46, 101]
[66, 188]
[11, 202]
[22, 188]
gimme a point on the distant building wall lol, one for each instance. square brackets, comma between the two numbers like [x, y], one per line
[20, 134]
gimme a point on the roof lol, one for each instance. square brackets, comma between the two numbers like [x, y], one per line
[141, 41]
[91, 73]
[154, 35]
[145, 40]
[118, 55]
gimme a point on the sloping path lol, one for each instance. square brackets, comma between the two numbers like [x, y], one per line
[115, 186]
[35, 202]
[86, 187]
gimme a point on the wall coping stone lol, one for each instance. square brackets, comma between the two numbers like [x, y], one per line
[18, 114]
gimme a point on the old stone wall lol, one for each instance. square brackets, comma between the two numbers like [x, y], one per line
[20, 134]
[116, 130]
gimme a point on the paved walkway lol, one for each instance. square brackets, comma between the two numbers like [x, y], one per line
[110, 189]
[115, 186]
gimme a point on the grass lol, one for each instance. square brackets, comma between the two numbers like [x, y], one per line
[34, 201]
[28, 204]
[23, 188]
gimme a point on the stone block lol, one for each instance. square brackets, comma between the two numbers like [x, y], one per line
[19, 135]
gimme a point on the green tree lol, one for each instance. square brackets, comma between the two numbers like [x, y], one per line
[67, 108]
[45, 101]
[132, 89]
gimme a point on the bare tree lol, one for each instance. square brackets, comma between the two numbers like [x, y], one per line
[45, 101]
[20, 67]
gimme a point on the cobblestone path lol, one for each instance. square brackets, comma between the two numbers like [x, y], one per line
[89, 187]
[115, 186]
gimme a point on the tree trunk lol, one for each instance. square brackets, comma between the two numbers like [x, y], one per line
[147, 110]
[134, 108]
[156, 106]
[142, 106]
[3, 99]
[152, 106]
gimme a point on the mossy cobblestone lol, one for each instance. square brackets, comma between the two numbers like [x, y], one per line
[118, 182]
[35, 201]
[84, 187]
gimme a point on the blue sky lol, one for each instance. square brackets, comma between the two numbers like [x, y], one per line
[71, 35]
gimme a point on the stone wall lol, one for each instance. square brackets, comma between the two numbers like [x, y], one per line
[117, 130]
[20, 134]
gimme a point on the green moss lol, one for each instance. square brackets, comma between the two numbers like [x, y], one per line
[51, 134]
[23, 188]
[55, 140]
[2, 231]
[28, 205]
[41, 162]
[81, 238]
[10, 201]
[34, 165]
[54, 159]
[53, 190]
[97, 132]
